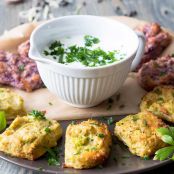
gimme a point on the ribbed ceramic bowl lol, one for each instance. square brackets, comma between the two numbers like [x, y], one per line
[85, 86]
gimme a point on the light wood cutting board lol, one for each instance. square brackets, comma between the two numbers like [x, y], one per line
[130, 93]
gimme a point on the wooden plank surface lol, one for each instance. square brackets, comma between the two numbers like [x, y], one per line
[160, 11]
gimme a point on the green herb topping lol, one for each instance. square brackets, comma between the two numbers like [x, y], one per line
[145, 123]
[50, 103]
[167, 136]
[21, 67]
[85, 55]
[110, 121]
[90, 40]
[73, 122]
[3, 122]
[47, 130]
[146, 158]
[38, 114]
[53, 156]
[101, 135]
[135, 117]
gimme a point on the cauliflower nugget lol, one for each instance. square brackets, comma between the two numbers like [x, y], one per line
[139, 133]
[160, 102]
[11, 103]
[87, 144]
[29, 137]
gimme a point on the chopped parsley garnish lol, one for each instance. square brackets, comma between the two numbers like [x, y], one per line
[135, 117]
[110, 121]
[160, 100]
[95, 124]
[3, 122]
[21, 67]
[101, 135]
[167, 136]
[73, 122]
[158, 91]
[38, 114]
[47, 130]
[53, 156]
[85, 55]
[145, 123]
[93, 148]
[90, 40]
[146, 158]
[50, 103]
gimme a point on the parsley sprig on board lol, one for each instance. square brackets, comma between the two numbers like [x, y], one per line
[167, 136]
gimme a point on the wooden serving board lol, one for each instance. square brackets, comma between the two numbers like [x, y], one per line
[130, 93]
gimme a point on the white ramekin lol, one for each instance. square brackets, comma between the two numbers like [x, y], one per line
[85, 87]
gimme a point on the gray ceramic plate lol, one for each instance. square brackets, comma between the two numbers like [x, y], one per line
[120, 160]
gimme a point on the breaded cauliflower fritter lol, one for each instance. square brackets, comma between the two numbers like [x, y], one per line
[11, 103]
[160, 102]
[139, 133]
[87, 144]
[29, 137]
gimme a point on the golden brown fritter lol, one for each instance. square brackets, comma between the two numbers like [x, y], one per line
[160, 102]
[11, 103]
[29, 137]
[87, 144]
[139, 133]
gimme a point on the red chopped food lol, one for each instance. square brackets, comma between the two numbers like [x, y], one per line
[157, 72]
[156, 41]
[18, 70]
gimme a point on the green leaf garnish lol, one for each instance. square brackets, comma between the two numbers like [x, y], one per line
[90, 40]
[164, 153]
[167, 136]
[146, 158]
[167, 139]
[38, 114]
[3, 122]
[47, 130]
[101, 135]
[110, 121]
[53, 156]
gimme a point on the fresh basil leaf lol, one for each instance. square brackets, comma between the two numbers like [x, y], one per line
[164, 153]
[167, 139]
[3, 122]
